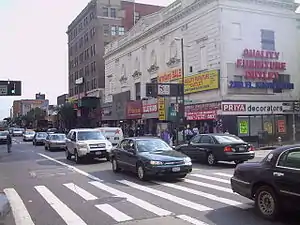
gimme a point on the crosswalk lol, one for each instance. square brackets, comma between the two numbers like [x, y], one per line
[125, 199]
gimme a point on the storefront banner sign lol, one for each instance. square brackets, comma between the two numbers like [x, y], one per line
[202, 115]
[244, 127]
[252, 108]
[134, 110]
[261, 85]
[161, 108]
[172, 75]
[201, 82]
[203, 107]
[281, 126]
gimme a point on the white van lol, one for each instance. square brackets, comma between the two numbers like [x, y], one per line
[113, 134]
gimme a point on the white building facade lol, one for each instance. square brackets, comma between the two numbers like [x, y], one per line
[241, 63]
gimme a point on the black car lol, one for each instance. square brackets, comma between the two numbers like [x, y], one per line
[211, 148]
[273, 183]
[148, 156]
[39, 138]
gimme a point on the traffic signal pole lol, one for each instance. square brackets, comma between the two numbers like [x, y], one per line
[182, 82]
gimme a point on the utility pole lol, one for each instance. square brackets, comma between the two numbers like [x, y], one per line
[296, 109]
[182, 82]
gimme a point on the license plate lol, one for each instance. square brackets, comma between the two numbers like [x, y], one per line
[176, 169]
[241, 149]
[98, 153]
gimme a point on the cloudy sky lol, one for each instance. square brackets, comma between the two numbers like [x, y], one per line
[33, 45]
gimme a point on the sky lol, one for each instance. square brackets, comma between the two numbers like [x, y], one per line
[33, 45]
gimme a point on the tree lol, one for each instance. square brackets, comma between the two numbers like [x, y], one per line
[33, 115]
[67, 115]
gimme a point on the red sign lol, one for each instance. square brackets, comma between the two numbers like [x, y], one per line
[259, 64]
[281, 126]
[202, 115]
[134, 110]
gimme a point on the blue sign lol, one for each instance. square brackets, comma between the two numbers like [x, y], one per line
[260, 85]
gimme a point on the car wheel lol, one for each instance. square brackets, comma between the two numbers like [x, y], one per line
[141, 172]
[68, 154]
[238, 161]
[78, 159]
[115, 165]
[211, 159]
[266, 202]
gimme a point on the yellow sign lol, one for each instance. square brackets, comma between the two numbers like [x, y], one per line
[268, 126]
[172, 75]
[244, 127]
[161, 108]
[201, 82]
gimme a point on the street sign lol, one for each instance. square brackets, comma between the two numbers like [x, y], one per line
[3, 90]
[163, 89]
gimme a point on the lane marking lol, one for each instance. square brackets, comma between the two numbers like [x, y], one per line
[81, 192]
[114, 213]
[167, 196]
[203, 194]
[191, 220]
[20, 213]
[61, 208]
[224, 175]
[136, 201]
[211, 178]
[216, 187]
[71, 167]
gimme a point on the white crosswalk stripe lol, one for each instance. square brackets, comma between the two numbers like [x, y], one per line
[199, 192]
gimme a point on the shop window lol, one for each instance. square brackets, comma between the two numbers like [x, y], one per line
[268, 124]
[280, 121]
[243, 126]
[282, 78]
[255, 125]
[237, 78]
[268, 40]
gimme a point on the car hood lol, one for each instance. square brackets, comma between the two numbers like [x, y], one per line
[94, 142]
[163, 155]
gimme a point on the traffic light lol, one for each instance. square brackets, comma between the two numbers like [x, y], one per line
[12, 88]
[296, 106]
[151, 90]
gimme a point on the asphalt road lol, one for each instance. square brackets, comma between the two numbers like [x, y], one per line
[46, 189]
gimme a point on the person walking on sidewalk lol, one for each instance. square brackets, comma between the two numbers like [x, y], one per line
[165, 135]
[9, 142]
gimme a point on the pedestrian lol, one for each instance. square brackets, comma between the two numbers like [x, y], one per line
[165, 135]
[9, 142]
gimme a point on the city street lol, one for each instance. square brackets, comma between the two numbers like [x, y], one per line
[46, 189]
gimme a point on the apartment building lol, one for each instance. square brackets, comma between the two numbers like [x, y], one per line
[100, 22]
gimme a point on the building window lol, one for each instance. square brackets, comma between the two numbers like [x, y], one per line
[268, 40]
[106, 29]
[80, 27]
[105, 11]
[93, 67]
[94, 83]
[113, 30]
[92, 15]
[138, 91]
[93, 50]
[113, 13]
[92, 32]
[87, 71]
[121, 30]
[86, 54]
[81, 42]
[80, 73]
[86, 21]
[76, 47]
[136, 16]
[76, 75]
[86, 37]
[81, 58]
[76, 61]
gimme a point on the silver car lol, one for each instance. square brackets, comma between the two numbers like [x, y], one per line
[55, 141]
[28, 135]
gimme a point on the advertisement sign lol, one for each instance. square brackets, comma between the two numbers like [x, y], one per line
[201, 82]
[252, 108]
[281, 126]
[161, 108]
[172, 75]
[149, 108]
[244, 127]
[202, 115]
[134, 110]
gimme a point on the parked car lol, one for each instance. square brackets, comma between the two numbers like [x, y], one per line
[18, 132]
[87, 143]
[273, 183]
[211, 148]
[113, 134]
[149, 156]
[28, 135]
[55, 141]
[39, 138]
[3, 136]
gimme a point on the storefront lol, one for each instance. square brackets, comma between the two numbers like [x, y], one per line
[150, 115]
[250, 119]
[134, 113]
[203, 116]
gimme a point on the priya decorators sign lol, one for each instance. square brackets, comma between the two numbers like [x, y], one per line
[252, 108]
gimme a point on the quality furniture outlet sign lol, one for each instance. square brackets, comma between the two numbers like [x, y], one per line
[252, 108]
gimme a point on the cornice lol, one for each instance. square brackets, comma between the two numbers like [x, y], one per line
[187, 11]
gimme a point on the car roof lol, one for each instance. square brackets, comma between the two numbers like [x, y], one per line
[57, 134]
[142, 138]
[84, 129]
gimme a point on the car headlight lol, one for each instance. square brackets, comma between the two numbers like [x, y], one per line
[156, 163]
[187, 160]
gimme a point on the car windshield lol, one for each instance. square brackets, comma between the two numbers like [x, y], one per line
[58, 137]
[152, 145]
[29, 133]
[3, 133]
[222, 139]
[90, 135]
[41, 135]
[18, 129]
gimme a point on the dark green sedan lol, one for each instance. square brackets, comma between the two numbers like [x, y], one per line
[149, 156]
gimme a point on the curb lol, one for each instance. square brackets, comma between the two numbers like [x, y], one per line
[4, 206]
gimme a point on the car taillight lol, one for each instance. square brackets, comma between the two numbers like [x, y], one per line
[251, 148]
[227, 149]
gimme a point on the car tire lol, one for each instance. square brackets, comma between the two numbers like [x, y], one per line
[265, 195]
[140, 170]
[68, 154]
[78, 159]
[115, 166]
[210, 159]
[239, 161]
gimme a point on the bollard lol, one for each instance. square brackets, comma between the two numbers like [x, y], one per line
[279, 141]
